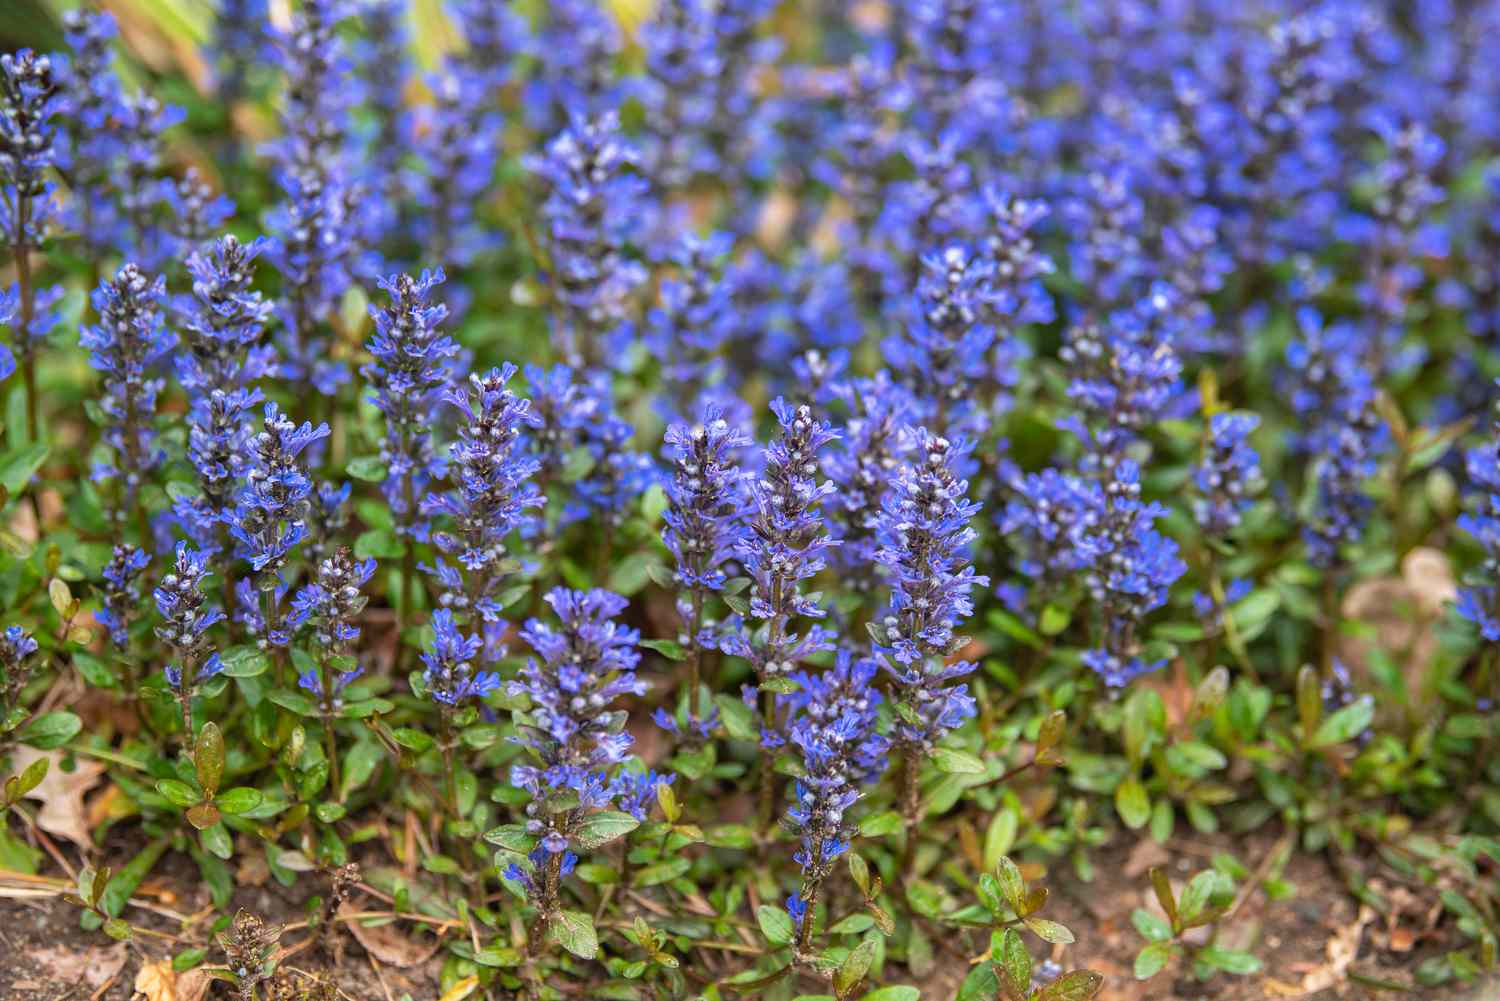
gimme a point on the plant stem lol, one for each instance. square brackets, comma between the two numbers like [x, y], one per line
[28, 314]
[450, 786]
[911, 804]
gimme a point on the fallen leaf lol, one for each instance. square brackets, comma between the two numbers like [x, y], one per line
[253, 870]
[1342, 949]
[1429, 575]
[387, 944]
[461, 990]
[89, 968]
[1145, 856]
[193, 985]
[61, 794]
[157, 981]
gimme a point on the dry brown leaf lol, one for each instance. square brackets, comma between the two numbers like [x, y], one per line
[387, 943]
[1429, 575]
[89, 968]
[1342, 949]
[1145, 856]
[62, 793]
[157, 981]
[193, 985]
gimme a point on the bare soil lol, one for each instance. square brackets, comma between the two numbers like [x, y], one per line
[1317, 935]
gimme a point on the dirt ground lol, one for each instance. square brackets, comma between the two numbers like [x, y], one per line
[1309, 943]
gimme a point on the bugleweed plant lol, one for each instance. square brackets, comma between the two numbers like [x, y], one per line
[717, 499]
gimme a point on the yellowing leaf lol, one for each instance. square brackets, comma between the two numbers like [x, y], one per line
[461, 990]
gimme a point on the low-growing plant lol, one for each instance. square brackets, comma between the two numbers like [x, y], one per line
[695, 500]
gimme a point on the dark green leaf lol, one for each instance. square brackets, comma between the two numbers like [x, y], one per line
[775, 923]
[208, 758]
[1150, 960]
[241, 799]
[574, 931]
[1346, 724]
[957, 762]
[1079, 985]
[50, 730]
[854, 967]
[601, 828]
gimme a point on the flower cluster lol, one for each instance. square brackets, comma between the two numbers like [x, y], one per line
[576, 739]
[593, 207]
[126, 346]
[313, 229]
[449, 675]
[16, 648]
[832, 722]
[1131, 568]
[1228, 474]
[704, 520]
[120, 598]
[493, 495]
[1480, 601]
[925, 533]
[408, 374]
[786, 545]
[269, 517]
[187, 615]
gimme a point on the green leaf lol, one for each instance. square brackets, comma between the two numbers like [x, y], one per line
[18, 786]
[1150, 960]
[879, 825]
[956, 762]
[729, 836]
[1050, 735]
[50, 730]
[18, 466]
[1132, 803]
[244, 661]
[775, 924]
[1164, 896]
[380, 544]
[412, 739]
[898, 992]
[1000, 837]
[1012, 886]
[1309, 699]
[737, 718]
[188, 958]
[1194, 756]
[574, 931]
[1054, 619]
[854, 967]
[368, 468]
[1229, 960]
[670, 649]
[241, 799]
[511, 837]
[1252, 614]
[208, 758]
[118, 929]
[1151, 927]
[294, 702]
[1078, 985]
[1049, 931]
[1346, 724]
[179, 794]
[982, 984]
[602, 828]
[1014, 962]
[859, 871]
[661, 872]
[125, 882]
[95, 671]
